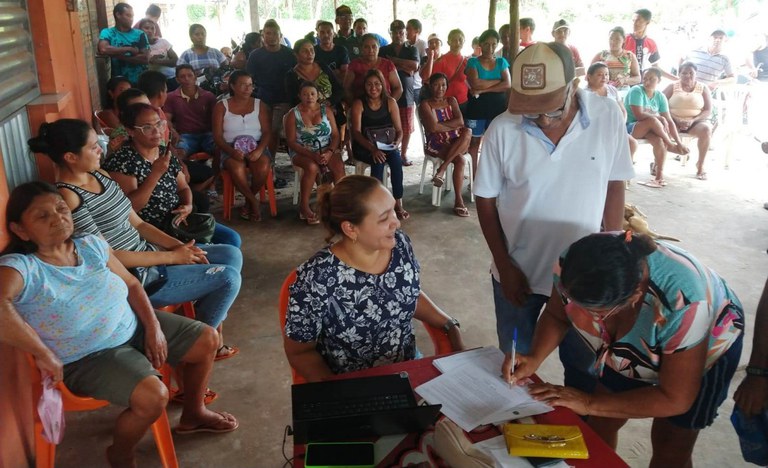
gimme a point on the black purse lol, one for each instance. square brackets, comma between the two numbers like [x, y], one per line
[385, 134]
[152, 278]
[197, 226]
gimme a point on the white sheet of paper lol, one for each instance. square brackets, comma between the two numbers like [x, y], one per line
[472, 396]
[496, 447]
[385, 146]
[489, 358]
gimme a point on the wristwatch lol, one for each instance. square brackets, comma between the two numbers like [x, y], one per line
[757, 371]
[451, 323]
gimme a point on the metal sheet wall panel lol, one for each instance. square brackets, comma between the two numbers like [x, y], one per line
[18, 77]
[19, 162]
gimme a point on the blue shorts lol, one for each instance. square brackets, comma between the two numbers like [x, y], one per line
[578, 360]
[510, 317]
[192, 143]
[631, 127]
[478, 126]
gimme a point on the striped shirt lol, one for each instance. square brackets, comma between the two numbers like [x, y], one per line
[711, 67]
[107, 213]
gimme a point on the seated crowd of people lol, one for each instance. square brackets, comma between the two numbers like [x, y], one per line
[106, 235]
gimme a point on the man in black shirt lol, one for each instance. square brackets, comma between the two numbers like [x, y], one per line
[406, 60]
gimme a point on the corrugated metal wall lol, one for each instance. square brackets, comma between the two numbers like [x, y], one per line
[18, 77]
[19, 163]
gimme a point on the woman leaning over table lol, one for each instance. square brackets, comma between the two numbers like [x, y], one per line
[210, 276]
[152, 177]
[690, 105]
[69, 302]
[376, 109]
[313, 141]
[241, 130]
[645, 331]
[447, 137]
[353, 302]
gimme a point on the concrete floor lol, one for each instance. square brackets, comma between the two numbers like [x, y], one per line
[721, 220]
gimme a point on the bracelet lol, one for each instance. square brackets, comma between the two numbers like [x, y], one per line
[757, 371]
[451, 323]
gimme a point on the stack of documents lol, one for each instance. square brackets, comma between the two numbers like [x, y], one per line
[472, 392]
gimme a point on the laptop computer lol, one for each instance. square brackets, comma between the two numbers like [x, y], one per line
[351, 409]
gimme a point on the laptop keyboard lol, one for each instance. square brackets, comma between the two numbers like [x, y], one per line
[330, 409]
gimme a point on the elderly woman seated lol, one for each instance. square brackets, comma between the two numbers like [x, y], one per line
[88, 322]
[447, 137]
[352, 304]
[690, 105]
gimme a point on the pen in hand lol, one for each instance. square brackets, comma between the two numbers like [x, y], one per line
[514, 353]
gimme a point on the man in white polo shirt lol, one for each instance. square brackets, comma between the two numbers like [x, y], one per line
[552, 171]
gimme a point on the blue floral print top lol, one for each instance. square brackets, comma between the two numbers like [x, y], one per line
[359, 320]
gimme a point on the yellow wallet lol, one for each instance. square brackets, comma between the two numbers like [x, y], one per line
[544, 440]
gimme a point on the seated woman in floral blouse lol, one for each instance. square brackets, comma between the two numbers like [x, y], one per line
[353, 302]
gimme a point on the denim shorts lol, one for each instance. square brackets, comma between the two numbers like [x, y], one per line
[192, 143]
[631, 127]
[574, 355]
[478, 126]
[510, 317]
[112, 374]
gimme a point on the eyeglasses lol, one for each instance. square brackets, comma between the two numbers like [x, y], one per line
[557, 114]
[597, 314]
[148, 129]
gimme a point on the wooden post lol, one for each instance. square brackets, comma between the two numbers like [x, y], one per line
[394, 10]
[255, 22]
[492, 14]
[514, 29]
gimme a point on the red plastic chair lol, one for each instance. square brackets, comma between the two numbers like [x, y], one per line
[229, 194]
[439, 339]
[45, 452]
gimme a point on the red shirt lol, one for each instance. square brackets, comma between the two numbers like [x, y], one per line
[453, 66]
[191, 114]
[360, 68]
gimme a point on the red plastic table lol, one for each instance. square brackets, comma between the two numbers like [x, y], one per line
[414, 449]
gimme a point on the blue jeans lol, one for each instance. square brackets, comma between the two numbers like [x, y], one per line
[395, 170]
[196, 142]
[226, 235]
[509, 317]
[214, 286]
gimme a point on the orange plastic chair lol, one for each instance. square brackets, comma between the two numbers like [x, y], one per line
[229, 194]
[105, 129]
[45, 452]
[439, 339]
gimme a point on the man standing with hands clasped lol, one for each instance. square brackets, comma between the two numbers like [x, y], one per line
[553, 170]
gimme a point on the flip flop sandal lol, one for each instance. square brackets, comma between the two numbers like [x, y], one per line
[438, 181]
[461, 211]
[402, 214]
[230, 351]
[651, 183]
[245, 214]
[311, 220]
[701, 176]
[227, 423]
[209, 397]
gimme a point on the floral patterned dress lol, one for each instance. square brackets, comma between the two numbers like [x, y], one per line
[164, 198]
[359, 320]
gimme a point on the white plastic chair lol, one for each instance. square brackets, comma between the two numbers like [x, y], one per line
[437, 192]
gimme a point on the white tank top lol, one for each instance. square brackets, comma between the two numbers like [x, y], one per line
[236, 125]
